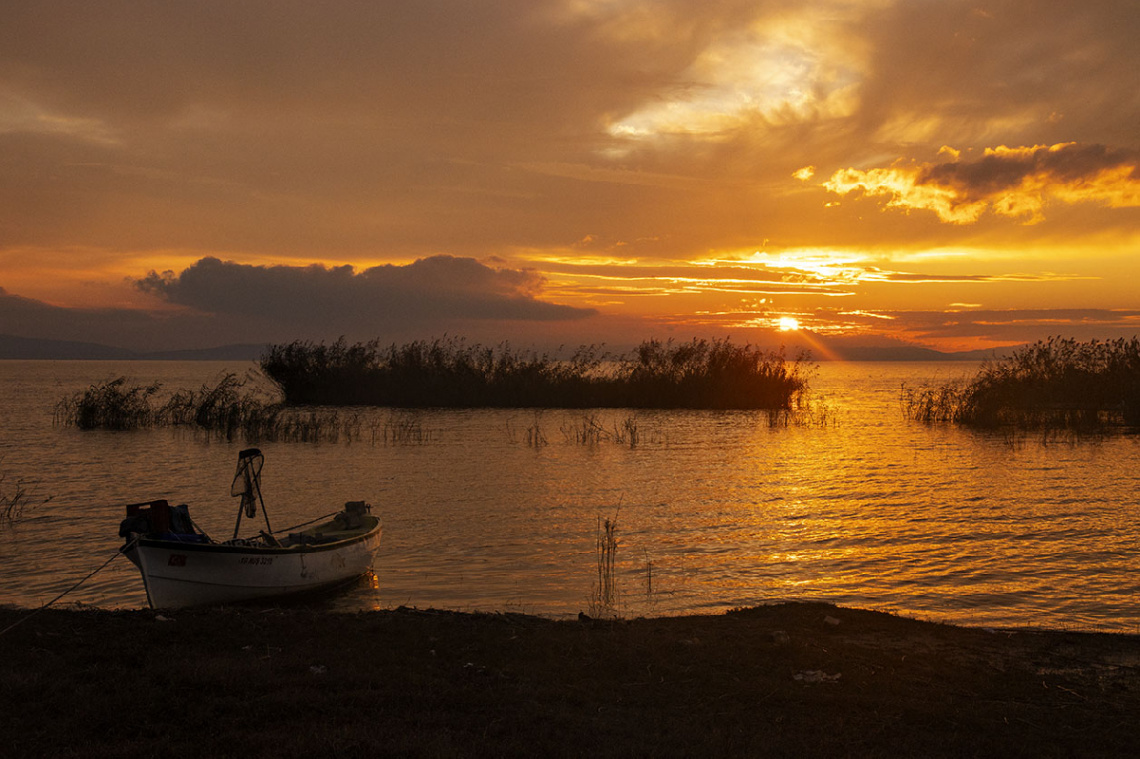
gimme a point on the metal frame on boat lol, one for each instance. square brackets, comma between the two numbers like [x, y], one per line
[182, 566]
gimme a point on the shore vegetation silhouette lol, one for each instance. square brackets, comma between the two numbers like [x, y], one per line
[310, 392]
[451, 373]
[232, 407]
[1056, 383]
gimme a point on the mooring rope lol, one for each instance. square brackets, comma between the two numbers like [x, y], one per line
[306, 524]
[103, 566]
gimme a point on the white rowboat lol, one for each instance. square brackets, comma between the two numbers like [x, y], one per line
[182, 566]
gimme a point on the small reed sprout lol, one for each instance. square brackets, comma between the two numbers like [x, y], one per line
[586, 431]
[403, 429]
[15, 499]
[649, 597]
[626, 432]
[535, 437]
[604, 595]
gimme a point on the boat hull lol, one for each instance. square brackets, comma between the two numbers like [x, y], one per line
[178, 575]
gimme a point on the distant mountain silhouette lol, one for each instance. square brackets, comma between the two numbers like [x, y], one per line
[27, 348]
[12, 347]
[910, 353]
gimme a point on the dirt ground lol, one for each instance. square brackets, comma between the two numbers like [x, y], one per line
[784, 680]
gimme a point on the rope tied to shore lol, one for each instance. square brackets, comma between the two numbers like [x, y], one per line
[104, 565]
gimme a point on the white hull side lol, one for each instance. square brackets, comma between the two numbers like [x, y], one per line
[180, 575]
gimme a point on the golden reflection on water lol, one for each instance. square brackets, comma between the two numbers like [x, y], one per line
[714, 509]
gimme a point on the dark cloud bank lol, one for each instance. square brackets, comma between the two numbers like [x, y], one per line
[1002, 170]
[216, 302]
[437, 288]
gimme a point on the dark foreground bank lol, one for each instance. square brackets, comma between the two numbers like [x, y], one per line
[787, 680]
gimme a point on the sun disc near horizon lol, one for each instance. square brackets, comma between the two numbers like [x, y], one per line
[788, 324]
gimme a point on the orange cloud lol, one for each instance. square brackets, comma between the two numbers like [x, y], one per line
[1015, 182]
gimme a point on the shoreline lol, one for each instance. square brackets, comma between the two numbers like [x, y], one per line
[793, 679]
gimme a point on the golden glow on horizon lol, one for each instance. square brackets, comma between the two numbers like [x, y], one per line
[788, 324]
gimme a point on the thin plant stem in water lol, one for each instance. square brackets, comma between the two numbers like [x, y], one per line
[604, 599]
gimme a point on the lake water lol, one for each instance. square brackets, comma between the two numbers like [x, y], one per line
[714, 510]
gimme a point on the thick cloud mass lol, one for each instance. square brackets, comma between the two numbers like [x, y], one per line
[1015, 182]
[437, 289]
[1006, 168]
[215, 303]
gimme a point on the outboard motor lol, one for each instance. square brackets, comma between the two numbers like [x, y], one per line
[146, 518]
[352, 516]
[159, 518]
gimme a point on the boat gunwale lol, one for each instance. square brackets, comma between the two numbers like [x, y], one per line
[143, 541]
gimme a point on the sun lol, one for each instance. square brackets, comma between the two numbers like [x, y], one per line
[788, 324]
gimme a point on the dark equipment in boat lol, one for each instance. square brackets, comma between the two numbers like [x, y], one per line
[247, 484]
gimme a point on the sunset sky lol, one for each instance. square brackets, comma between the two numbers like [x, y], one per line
[948, 174]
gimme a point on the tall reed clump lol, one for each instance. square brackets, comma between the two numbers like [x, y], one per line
[233, 407]
[228, 406]
[710, 374]
[451, 373]
[113, 405]
[1054, 383]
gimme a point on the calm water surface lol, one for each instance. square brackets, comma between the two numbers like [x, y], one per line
[714, 509]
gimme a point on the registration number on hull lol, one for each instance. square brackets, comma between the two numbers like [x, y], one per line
[256, 560]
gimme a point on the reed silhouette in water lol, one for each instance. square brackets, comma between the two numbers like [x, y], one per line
[452, 373]
[1059, 382]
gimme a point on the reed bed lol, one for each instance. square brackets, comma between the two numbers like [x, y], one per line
[1057, 383]
[450, 373]
[113, 405]
[232, 407]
